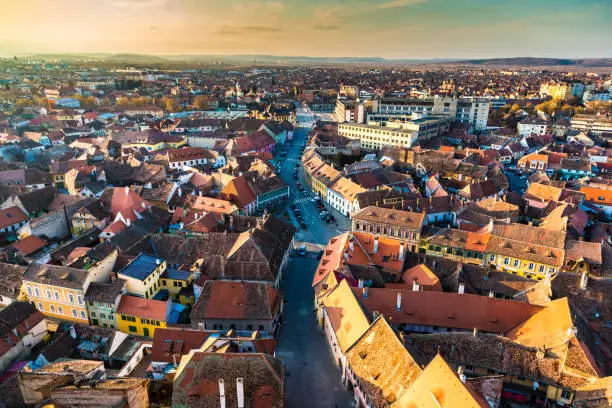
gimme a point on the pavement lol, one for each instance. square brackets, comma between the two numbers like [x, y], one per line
[313, 379]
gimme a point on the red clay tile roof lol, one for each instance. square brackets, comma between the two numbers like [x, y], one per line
[444, 309]
[11, 216]
[29, 245]
[170, 342]
[140, 307]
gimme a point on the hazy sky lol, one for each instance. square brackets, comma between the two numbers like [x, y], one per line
[384, 28]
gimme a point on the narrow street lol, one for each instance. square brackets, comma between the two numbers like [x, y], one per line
[313, 379]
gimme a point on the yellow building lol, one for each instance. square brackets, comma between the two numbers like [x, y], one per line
[142, 275]
[175, 281]
[524, 250]
[88, 217]
[139, 316]
[59, 292]
[462, 246]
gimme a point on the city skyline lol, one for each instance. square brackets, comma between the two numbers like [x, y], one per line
[393, 29]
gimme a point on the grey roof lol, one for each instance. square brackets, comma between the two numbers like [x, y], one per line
[105, 292]
[56, 275]
[10, 279]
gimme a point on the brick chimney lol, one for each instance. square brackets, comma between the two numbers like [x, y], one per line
[375, 250]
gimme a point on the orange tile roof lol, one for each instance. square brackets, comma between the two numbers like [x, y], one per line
[346, 316]
[10, 216]
[549, 327]
[439, 386]
[445, 309]
[387, 256]
[424, 276]
[141, 307]
[598, 195]
[29, 245]
[331, 258]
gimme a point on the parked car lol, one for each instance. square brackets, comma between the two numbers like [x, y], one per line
[322, 213]
[302, 250]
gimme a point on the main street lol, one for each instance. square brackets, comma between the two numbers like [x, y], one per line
[313, 379]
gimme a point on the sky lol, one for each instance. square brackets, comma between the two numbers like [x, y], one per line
[403, 29]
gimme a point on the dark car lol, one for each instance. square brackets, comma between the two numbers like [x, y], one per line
[303, 225]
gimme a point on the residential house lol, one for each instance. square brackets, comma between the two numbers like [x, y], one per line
[599, 196]
[189, 156]
[533, 162]
[532, 125]
[10, 282]
[102, 300]
[478, 191]
[239, 192]
[92, 215]
[142, 275]
[140, 316]
[239, 306]
[11, 219]
[235, 379]
[463, 246]
[59, 291]
[525, 250]
[178, 284]
[341, 195]
[573, 168]
[22, 328]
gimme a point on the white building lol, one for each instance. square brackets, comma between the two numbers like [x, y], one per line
[376, 137]
[532, 125]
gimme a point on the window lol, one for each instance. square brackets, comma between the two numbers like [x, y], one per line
[506, 261]
[567, 395]
[261, 328]
[132, 329]
[531, 266]
[71, 297]
[542, 268]
[41, 307]
[56, 293]
[52, 309]
[83, 315]
[29, 290]
[516, 263]
[60, 310]
[74, 314]
[491, 258]
[93, 314]
[123, 317]
[37, 292]
[48, 293]
[80, 299]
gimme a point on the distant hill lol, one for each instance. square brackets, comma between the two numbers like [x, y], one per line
[136, 59]
[539, 62]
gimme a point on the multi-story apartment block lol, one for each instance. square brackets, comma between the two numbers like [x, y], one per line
[592, 123]
[427, 127]
[467, 110]
[562, 90]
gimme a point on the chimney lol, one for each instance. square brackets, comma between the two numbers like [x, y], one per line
[180, 192]
[462, 376]
[351, 244]
[200, 193]
[415, 285]
[222, 393]
[398, 303]
[360, 283]
[461, 289]
[491, 294]
[402, 249]
[127, 190]
[475, 332]
[201, 326]
[584, 281]
[181, 225]
[375, 250]
[365, 292]
[196, 215]
[240, 391]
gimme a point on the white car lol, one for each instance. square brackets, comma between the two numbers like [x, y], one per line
[323, 213]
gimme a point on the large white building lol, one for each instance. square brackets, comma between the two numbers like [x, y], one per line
[532, 125]
[426, 127]
[592, 123]
[376, 137]
[468, 110]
